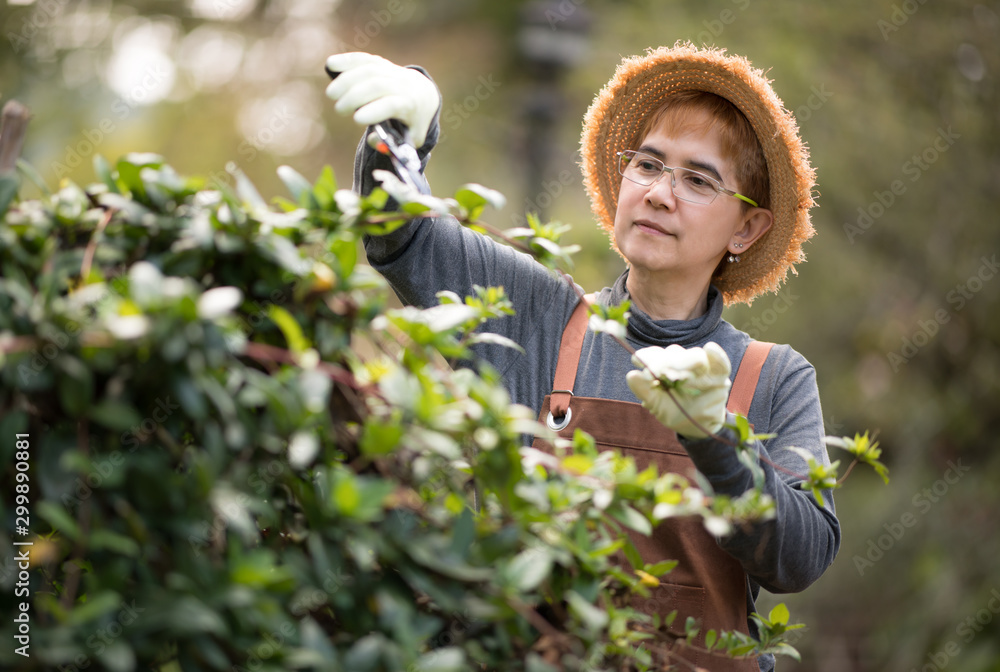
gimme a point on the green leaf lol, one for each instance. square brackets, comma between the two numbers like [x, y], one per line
[632, 519]
[95, 607]
[779, 614]
[325, 189]
[116, 415]
[742, 427]
[592, 617]
[786, 649]
[661, 568]
[710, 638]
[632, 554]
[103, 171]
[742, 650]
[130, 172]
[380, 439]
[669, 619]
[474, 197]
[297, 342]
[56, 516]
[529, 568]
[28, 170]
[188, 614]
[106, 539]
[246, 190]
[471, 196]
[448, 659]
[316, 641]
[535, 663]
[345, 493]
[76, 386]
[190, 398]
[258, 569]
[345, 250]
[364, 655]
[298, 187]
[864, 448]
[118, 657]
[495, 339]
[8, 190]
[429, 556]
[463, 533]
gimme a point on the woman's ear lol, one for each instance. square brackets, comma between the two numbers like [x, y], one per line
[756, 222]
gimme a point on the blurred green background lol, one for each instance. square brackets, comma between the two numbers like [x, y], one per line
[896, 308]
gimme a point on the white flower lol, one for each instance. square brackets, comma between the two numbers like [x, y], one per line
[218, 301]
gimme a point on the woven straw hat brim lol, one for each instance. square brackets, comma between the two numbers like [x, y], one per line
[640, 84]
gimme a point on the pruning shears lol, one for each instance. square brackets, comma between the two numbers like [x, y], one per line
[392, 139]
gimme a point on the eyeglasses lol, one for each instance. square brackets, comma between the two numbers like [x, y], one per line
[688, 185]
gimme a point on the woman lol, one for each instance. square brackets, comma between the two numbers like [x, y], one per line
[696, 170]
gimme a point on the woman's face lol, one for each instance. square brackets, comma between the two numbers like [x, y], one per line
[660, 234]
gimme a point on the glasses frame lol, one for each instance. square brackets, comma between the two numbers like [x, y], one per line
[664, 168]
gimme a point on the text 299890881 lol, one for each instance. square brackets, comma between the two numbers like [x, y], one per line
[22, 524]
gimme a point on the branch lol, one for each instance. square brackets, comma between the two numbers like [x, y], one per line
[847, 473]
[73, 571]
[534, 618]
[270, 353]
[88, 255]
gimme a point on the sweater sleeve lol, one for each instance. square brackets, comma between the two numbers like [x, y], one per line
[432, 254]
[789, 552]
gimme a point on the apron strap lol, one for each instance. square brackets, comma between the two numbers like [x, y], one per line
[569, 358]
[745, 383]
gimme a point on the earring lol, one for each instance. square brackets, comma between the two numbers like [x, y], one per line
[739, 246]
[733, 258]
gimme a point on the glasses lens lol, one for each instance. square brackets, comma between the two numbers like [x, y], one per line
[639, 168]
[695, 187]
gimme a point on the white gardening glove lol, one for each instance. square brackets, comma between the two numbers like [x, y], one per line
[703, 389]
[374, 90]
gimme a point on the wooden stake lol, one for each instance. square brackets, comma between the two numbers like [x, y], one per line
[13, 128]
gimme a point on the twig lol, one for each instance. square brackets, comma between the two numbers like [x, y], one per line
[13, 128]
[88, 255]
[534, 618]
[83, 518]
[846, 473]
[271, 353]
[392, 217]
[11, 344]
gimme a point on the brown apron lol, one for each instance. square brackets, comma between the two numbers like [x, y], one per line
[708, 583]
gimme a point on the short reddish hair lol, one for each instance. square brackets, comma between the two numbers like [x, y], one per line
[739, 142]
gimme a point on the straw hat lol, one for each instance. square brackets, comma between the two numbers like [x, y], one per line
[638, 87]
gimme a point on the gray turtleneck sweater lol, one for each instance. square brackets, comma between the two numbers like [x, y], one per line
[429, 255]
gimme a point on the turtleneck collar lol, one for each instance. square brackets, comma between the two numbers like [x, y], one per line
[644, 330]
